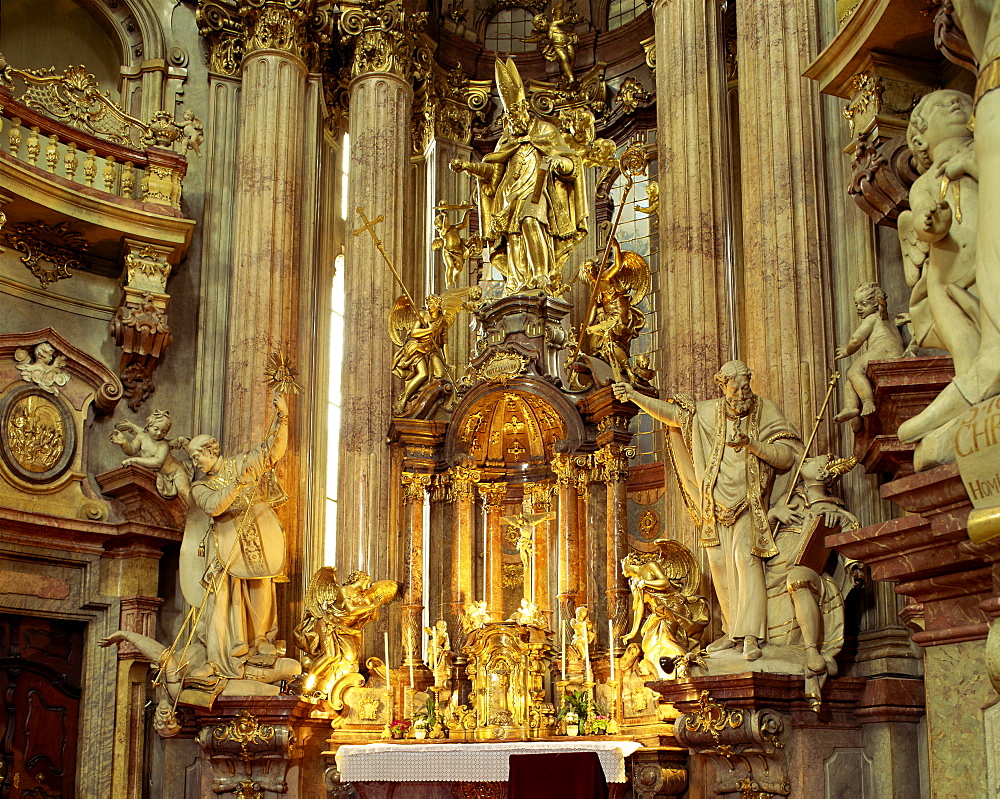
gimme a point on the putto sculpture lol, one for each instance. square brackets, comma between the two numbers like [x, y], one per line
[532, 204]
[150, 448]
[43, 367]
[881, 335]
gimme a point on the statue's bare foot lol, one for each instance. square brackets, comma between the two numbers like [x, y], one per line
[815, 662]
[751, 651]
[846, 414]
[721, 644]
[867, 408]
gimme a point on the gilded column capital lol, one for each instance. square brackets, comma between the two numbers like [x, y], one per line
[300, 28]
[222, 30]
[447, 104]
[493, 495]
[539, 495]
[611, 462]
[415, 486]
[463, 480]
[385, 37]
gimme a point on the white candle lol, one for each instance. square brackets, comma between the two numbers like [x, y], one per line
[413, 682]
[611, 648]
[562, 626]
[586, 653]
[387, 686]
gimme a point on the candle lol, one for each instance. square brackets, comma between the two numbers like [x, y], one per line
[413, 682]
[586, 653]
[562, 626]
[387, 687]
[611, 648]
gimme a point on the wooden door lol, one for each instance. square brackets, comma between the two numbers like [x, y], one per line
[40, 667]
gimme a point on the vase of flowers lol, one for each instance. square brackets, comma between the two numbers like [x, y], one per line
[599, 725]
[572, 724]
[399, 727]
[575, 708]
[420, 726]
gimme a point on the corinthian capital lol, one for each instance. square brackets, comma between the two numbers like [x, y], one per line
[223, 31]
[385, 37]
[298, 27]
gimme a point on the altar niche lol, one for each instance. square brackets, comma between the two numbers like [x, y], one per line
[523, 493]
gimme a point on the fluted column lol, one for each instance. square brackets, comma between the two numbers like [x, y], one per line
[263, 299]
[694, 259]
[494, 495]
[380, 104]
[414, 489]
[786, 284]
[463, 488]
[612, 460]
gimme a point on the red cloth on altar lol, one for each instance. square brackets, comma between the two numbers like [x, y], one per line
[564, 775]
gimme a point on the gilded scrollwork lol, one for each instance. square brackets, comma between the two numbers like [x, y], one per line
[223, 32]
[42, 243]
[415, 486]
[385, 36]
[631, 94]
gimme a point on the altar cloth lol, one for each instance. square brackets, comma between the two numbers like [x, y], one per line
[477, 761]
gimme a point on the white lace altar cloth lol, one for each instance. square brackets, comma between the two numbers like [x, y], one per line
[477, 761]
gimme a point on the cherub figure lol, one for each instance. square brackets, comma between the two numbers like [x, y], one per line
[421, 336]
[557, 39]
[653, 195]
[615, 319]
[529, 615]
[149, 448]
[475, 617]
[192, 132]
[938, 233]
[884, 343]
[46, 370]
[455, 250]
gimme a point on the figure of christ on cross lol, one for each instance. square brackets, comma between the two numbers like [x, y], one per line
[525, 523]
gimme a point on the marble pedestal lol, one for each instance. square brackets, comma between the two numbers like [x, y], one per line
[953, 584]
[903, 388]
[750, 733]
[257, 747]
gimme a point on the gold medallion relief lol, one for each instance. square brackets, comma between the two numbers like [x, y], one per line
[35, 433]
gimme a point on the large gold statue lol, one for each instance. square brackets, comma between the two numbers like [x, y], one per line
[421, 335]
[331, 630]
[667, 585]
[533, 208]
[615, 319]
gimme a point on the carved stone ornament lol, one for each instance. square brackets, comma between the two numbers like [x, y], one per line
[140, 329]
[384, 35]
[41, 243]
[224, 34]
[43, 366]
[881, 178]
[248, 756]
[734, 735]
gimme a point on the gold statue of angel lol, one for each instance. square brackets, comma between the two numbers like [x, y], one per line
[330, 632]
[455, 250]
[556, 38]
[421, 336]
[615, 319]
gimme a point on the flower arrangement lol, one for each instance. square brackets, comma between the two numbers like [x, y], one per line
[599, 725]
[575, 707]
[399, 727]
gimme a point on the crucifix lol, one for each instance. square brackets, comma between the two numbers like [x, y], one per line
[526, 524]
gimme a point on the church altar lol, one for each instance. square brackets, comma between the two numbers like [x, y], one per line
[475, 761]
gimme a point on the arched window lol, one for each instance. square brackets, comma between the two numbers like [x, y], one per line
[506, 29]
[636, 233]
[623, 11]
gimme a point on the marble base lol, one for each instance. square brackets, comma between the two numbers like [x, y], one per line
[903, 388]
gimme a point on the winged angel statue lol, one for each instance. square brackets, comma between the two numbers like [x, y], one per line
[615, 320]
[421, 336]
[331, 630]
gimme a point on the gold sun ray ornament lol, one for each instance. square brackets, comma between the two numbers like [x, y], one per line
[280, 374]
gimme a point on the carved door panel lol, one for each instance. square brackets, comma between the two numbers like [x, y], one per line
[40, 668]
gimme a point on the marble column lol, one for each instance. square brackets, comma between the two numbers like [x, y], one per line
[380, 104]
[540, 497]
[414, 489]
[786, 283]
[494, 495]
[263, 298]
[463, 483]
[567, 588]
[612, 461]
[695, 257]
[220, 31]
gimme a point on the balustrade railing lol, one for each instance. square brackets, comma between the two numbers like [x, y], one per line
[63, 125]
